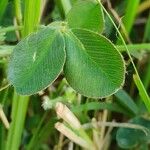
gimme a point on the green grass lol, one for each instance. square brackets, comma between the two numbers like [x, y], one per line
[130, 14]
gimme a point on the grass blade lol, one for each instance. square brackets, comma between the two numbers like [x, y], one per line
[31, 16]
[142, 91]
[17, 124]
[129, 17]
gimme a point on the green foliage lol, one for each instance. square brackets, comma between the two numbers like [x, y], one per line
[70, 60]
[20, 103]
[86, 14]
[130, 138]
[38, 59]
[125, 100]
[92, 61]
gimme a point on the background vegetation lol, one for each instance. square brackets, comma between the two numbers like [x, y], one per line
[121, 121]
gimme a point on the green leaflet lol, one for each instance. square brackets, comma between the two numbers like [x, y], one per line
[131, 138]
[37, 61]
[86, 14]
[93, 66]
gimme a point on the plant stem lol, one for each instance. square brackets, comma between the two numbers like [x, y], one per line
[18, 12]
[18, 15]
[134, 47]
[117, 124]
